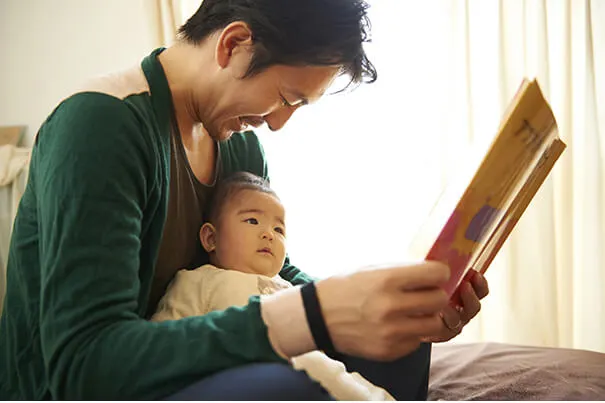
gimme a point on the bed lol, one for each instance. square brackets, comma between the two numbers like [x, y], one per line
[494, 371]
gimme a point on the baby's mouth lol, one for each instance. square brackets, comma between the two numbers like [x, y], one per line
[265, 250]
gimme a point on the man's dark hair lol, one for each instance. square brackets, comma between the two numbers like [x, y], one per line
[229, 187]
[293, 32]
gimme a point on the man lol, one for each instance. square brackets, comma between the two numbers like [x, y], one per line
[119, 180]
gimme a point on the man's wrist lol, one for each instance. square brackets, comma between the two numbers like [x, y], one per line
[286, 321]
[315, 319]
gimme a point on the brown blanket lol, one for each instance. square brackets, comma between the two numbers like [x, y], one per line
[492, 371]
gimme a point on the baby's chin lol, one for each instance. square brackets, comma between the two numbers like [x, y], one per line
[266, 270]
[272, 272]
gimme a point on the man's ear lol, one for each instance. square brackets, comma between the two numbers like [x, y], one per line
[208, 237]
[234, 38]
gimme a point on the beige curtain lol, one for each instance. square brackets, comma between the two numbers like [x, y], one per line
[548, 282]
[169, 15]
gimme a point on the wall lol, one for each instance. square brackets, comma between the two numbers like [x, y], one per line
[47, 48]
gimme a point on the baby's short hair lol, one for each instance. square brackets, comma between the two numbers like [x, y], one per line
[229, 187]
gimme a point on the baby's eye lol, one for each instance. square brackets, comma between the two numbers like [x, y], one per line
[252, 221]
[280, 230]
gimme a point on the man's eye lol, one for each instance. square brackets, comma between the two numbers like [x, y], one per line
[284, 101]
[252, 221]
[280, 230]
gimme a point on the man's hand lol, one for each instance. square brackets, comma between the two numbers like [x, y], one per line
[384, 313]
[455, 318]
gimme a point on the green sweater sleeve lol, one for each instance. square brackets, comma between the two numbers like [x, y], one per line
[293, 274]
[92, 171]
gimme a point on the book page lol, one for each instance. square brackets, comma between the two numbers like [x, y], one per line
[520, 157]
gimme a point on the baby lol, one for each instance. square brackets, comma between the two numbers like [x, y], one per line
[245, 237]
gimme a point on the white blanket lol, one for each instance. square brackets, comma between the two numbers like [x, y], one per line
[13, 170]
[13, 160]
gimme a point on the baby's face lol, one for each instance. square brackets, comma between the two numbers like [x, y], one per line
[251, 234]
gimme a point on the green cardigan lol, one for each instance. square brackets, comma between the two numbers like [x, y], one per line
[82, 259]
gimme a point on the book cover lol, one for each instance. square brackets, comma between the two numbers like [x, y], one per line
[519, 159]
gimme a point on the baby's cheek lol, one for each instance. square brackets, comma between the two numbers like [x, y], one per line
[282, 253]
[242, 255]
[235, 255]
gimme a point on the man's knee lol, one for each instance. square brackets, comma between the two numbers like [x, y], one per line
[289, 383]
[262, 381]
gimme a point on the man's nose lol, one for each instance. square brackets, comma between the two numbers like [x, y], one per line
[277, 119]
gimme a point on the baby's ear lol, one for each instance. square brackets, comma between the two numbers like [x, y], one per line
[208, 237]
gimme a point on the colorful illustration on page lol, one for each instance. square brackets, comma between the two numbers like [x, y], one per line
[458, 241]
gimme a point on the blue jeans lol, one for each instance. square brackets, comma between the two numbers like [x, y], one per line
[406, 379]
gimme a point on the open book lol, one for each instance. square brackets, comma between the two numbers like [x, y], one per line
[467, 231]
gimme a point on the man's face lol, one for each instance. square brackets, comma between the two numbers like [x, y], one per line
[271, 96]
[251, 234]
